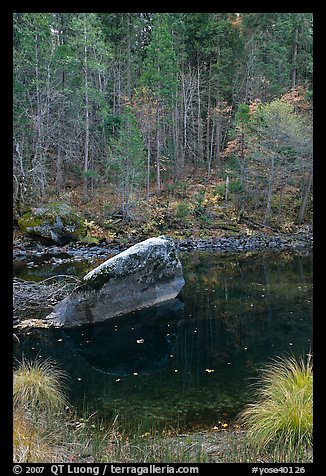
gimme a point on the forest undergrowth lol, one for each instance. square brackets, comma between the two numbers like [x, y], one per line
[193, 208]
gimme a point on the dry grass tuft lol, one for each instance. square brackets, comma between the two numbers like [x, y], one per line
[282, 414]
[38, 387]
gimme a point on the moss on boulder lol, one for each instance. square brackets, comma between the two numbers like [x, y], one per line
[142, 276]
[55, 222]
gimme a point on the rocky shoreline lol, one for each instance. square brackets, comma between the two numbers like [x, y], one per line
[297, 241]
[34, 251]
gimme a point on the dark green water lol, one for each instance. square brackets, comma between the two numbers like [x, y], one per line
[189, 362]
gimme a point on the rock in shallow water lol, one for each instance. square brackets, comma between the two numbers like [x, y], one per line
[146, 274]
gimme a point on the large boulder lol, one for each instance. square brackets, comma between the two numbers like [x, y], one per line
[55, 222]
[146, 274]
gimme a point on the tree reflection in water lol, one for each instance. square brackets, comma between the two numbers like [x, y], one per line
[191, 359]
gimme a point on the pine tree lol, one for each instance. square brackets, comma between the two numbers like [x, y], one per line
[85, 85]
[278, 53]
[35, 97]
[160, 77]
[127, 158]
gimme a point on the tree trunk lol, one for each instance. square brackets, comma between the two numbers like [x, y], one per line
[158, 149]
[305, 197]
[208, 153]
[256, 192]
[129, 57]
[181, 159]
[59, 180]
[218, 143]
[148, 152]
[294, 58]
[227, 181]
[86, 146]
[199, 121]
[210, 156]
[242, 164]
[39, 142]
[19, 178]
[175, 125]
[270, 190]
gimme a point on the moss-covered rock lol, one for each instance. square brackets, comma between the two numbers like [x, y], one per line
[55, 222]
[144, 275]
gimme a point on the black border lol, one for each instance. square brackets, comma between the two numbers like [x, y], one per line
[6, 209]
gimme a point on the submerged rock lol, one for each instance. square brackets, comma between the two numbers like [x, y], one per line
[146, 274]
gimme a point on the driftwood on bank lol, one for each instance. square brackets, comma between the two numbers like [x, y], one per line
[31, 296]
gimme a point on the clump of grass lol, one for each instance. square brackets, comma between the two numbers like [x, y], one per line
[282, 413]
[39, 401]
[38, 386]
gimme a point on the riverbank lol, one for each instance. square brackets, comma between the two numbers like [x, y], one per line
[29, 254]
[29, 250]
[84, 442]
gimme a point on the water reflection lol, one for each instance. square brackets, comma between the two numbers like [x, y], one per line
[138, 343]
[191, 359]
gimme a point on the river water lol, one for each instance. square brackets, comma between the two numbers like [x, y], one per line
[191, 362]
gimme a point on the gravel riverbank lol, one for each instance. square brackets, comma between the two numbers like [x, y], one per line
[235, 243]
